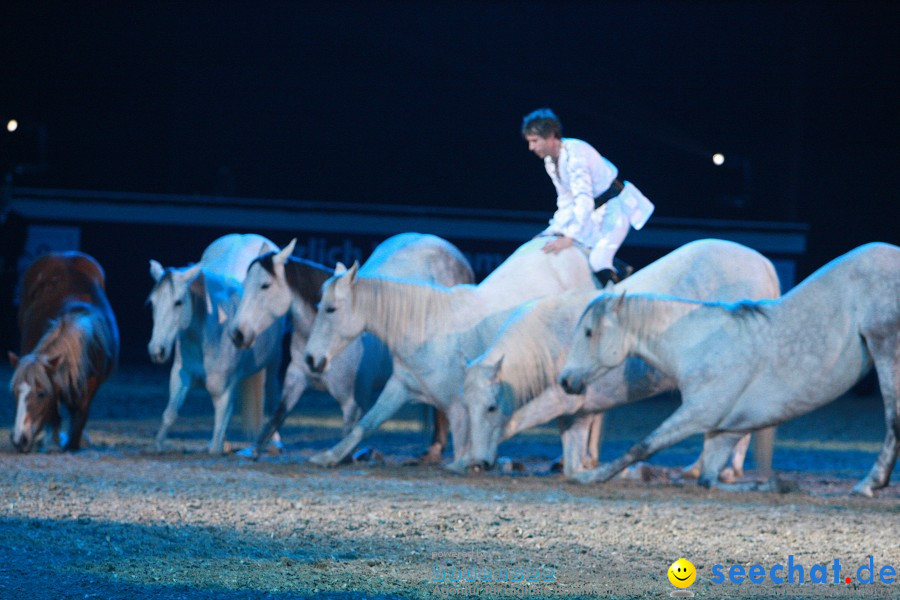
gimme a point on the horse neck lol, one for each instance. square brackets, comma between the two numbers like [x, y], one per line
[406, 313]
[531, 345]
[651, 324]
[207, 295]
[305, 280]
[69, 338]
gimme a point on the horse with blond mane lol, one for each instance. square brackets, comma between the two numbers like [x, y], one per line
[426, 327]
[70, 342]
[278, 284]
[512, 385]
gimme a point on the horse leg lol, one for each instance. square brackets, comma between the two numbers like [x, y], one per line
[295, 383]
[682, 424]
[552, 402]
[223, 405]
[272, 394]
[763, 446]
[729, 473]
[180, 382]
[391, 399]
[179, 385]
[439, 438]
[734, 467]
[886, 355]
[79, 413]
[341, 382]
[718, 448]
[580, 441]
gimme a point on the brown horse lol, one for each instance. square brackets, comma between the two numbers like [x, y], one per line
[71, 344]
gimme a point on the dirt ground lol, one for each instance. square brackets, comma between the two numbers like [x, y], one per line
[119, 520]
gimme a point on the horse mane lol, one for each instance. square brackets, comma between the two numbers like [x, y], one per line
[747, 309]
[304, 277]
[643, 312]
[530, 350]
[411, 306]
[50, 282]
[81, 350]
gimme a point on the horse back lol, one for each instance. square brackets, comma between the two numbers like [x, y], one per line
[101, 337]
[420, 257]
[49, 283]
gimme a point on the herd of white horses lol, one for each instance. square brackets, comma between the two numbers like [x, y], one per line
[534, 341]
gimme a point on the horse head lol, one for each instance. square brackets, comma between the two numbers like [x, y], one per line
[36, 395]
[336, 323]
[266, 297]
[488, 403]
[599, 344]
[172, 307]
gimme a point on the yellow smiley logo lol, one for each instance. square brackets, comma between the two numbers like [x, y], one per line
[682, 573]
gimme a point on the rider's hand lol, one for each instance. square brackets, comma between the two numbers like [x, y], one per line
[557, 244]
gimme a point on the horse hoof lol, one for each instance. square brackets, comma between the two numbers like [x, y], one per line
[558, 465]
[457, 466]
[691, 473]
[728, 475]
[323, 459]
[584, 477]
[865, 491]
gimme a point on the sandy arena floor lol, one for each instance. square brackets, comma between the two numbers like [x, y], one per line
[119, 520]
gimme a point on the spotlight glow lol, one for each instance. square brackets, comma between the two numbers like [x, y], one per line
[12, 125]
[718, 159]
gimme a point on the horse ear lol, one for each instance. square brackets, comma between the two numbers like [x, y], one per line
[618, 305]
[156, 270]
[496, 367]
[53, 363]
[351, 273]
[13, 358]
[207, 297]
[191, 272]
[340, 268]
[222, 316]
[285, 253]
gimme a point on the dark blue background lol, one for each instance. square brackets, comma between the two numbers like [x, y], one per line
[415, 102]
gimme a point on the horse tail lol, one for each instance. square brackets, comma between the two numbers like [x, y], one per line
[250, 393]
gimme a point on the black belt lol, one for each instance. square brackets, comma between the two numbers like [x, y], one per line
[614, 189]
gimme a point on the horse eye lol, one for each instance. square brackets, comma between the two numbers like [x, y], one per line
[265, 286]
[587, 332]
[492, 408]
[330, 309]
[179, 303]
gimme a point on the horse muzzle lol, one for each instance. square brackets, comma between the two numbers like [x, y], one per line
[158, 354]
[316, 365]
[571, 383]
[23, 443]
[240, 339]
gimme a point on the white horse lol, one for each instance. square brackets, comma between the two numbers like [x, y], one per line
[191, 311]
[512, 385]
[277, 283]
[427, 326]
[749, 365]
